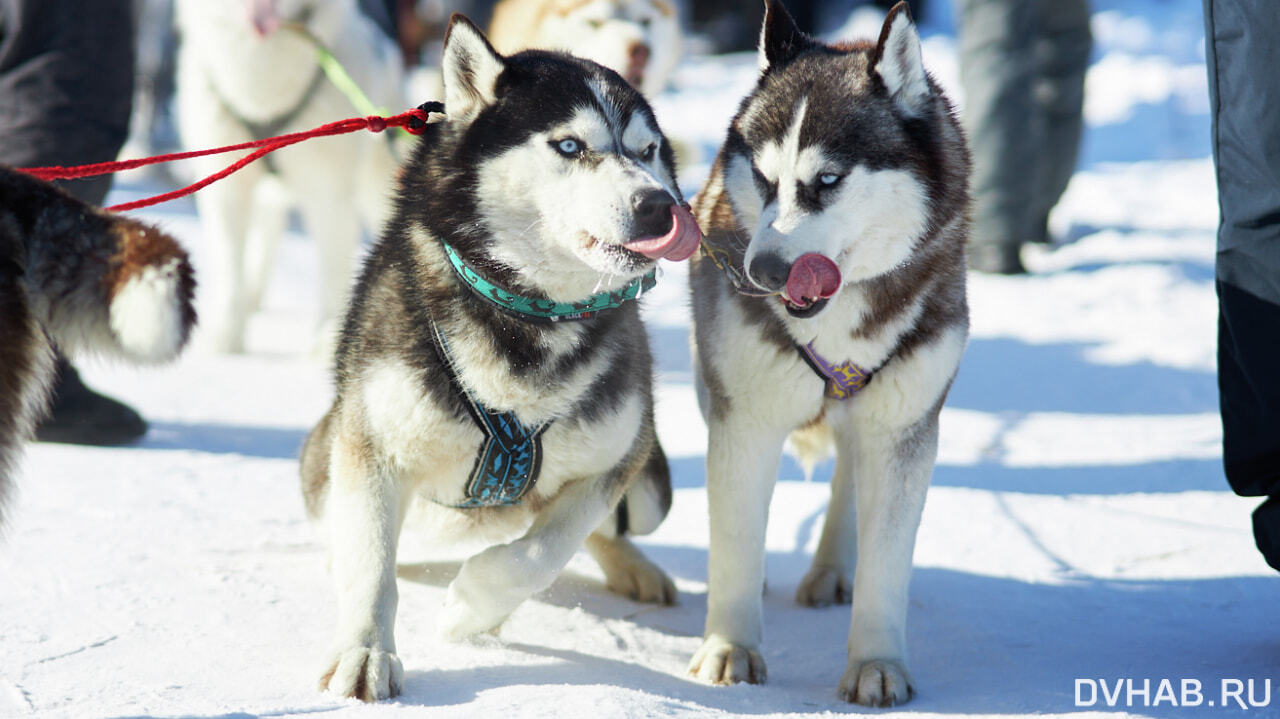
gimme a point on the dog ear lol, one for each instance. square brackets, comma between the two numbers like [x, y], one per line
[898, 62]
[780, 39]
[470, 67]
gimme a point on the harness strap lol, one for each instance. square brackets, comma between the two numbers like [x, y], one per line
[842, 380]
[274, 126]
[510, 456]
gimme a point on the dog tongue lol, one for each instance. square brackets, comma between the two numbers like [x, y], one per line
[680, 242]
[812, 277]
[264, 16]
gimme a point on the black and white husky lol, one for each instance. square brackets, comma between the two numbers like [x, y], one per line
[493, 368]
[829, 303]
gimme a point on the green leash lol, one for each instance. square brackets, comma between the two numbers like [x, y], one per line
[548, 310]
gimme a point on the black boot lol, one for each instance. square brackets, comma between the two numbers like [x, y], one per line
[1266, 530]
[78, 415]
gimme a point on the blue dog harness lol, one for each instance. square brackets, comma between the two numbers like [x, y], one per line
[510, 456]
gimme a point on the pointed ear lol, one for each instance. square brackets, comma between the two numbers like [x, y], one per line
[898, 62]
[780, 39]
[470, 67]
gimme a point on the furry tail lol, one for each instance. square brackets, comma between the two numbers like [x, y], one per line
[812, 444]
[85, 279]
[99, 282]
[648, 499]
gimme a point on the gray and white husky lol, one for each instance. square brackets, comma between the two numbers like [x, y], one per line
[493, 369]
[829, 304]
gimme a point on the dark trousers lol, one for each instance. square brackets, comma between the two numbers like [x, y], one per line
[1244, 94]
[66, 84]
[1022, 65]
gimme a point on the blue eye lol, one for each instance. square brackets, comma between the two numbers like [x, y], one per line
[568, 147]
[827, 179]
[647, 153]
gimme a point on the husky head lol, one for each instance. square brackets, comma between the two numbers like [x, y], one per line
[839, 163]
[637, 38]
[549, 173]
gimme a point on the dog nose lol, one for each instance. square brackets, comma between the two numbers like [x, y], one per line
[769, 271]
[637, 60]
[652, 212]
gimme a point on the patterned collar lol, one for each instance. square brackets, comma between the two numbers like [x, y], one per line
[842, 380]
[547, 310]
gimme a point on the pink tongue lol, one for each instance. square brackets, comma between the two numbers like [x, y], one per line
[812, 277]
[680, 242]
[264, 16]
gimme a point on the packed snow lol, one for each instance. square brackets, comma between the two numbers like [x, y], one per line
[1079, 537]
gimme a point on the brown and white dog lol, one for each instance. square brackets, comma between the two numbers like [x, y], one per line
[86, 281]
[831, 300]
[639, 39]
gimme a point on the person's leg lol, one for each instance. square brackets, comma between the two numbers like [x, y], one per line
[66, 89]
[1244, 101]
[1062, 58]
[996, 72]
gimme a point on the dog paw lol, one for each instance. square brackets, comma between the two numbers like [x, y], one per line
[824, 586]
[459, 620]
[876, 683]
[364, 673]
[642, 581]
[721, 662]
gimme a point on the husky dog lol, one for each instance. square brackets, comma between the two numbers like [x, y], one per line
[492, 368]
[86, 280]
[831, 300]
[247, 70]
[640, 39]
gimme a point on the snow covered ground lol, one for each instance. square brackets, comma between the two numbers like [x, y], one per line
[1078, 527]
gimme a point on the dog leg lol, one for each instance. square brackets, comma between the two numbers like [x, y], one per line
[270, 217]
[827, 581]
[742, 467]
[334, 226]
[364, 514]
[893, 470]
[627, 571]
[494, 582]
[222, 212]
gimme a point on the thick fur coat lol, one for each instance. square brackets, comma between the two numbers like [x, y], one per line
[85, 281]
[836, 216]
[550, 178]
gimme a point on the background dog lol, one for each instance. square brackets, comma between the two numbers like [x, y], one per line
[549, 182]
[639, 39]
[836, 217]
[245, 72]
[85, 280]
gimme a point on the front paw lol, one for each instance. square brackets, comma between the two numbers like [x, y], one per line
[366, 673]
[721, 662]
[461, 620]
[876, 683]
[824, 586]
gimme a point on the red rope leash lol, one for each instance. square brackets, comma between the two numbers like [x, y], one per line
[413, 121]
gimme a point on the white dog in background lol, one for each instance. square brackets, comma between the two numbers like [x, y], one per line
[246, 72]
[639, 39]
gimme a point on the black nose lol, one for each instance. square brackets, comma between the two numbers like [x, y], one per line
[769, 271]
[651, 213]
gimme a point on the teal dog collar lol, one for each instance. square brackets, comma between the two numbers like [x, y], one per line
[547, 310]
